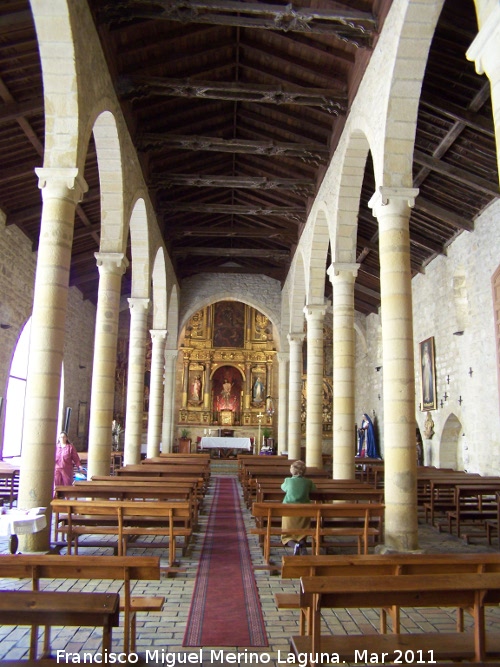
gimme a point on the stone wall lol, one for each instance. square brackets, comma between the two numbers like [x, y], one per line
[454, 295]
[17, 275]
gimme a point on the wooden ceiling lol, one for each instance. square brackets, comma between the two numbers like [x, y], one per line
[235, 108]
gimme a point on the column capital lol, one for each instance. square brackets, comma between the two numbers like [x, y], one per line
[283, 357]
[158, 334]
[138, 302]
[485, 44]
[392, 197]
[296, 338]
[62, 181]
[342, 270]
[111, 262]
[315, 311]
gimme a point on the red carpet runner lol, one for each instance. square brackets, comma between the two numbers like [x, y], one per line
[225, 608]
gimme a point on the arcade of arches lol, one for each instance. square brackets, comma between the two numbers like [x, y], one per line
[170, 347]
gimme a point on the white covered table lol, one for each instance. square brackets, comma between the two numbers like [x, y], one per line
[21, 522]
[226, 444]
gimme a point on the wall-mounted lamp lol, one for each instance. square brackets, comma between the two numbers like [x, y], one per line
[377, 368]
[5, 326]
[460, 400]
[458, 333]
[470, 371]
[81, 366]
[445, 397]
[448, 379]
[441, 403]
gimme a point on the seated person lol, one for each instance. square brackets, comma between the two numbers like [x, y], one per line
[297, 489]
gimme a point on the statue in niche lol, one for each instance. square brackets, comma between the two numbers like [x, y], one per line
[196, 388]
[258, 390]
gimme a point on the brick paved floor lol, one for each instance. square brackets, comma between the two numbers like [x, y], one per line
[164, 632]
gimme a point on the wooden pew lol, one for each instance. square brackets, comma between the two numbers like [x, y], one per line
[60, 608]
[359, 520]
[124, 491]
[325, 492]
[123, 518]
[473, 503]
[471, 591]
[126, 569]
[9, 483]
[374, 565]
[172, 471]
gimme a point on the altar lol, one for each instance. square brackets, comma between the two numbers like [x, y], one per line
[225, 445]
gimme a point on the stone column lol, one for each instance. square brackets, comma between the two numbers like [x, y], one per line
[159, 340]
[61, 189]
[167, 430]
[485, 53]
[295, 393]
[135, 383]
[111, 267]
[342, 277]
[283, 361]
[391, 206]
[315, 314]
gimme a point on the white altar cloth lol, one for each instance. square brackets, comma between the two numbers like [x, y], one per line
[226, 443]
[22, 522]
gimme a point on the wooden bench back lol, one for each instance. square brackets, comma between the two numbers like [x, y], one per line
[48, 566]
[317, 510]
[122, 508]
[295, 567]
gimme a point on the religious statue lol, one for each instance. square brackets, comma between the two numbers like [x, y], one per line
[196, 389]
[258, 390]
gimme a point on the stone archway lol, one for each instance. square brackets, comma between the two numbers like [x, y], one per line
[450, 447]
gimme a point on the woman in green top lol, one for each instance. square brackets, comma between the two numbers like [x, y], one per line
[297, 489]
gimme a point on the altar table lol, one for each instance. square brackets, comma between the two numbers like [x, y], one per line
[226, 444]
[21, 522]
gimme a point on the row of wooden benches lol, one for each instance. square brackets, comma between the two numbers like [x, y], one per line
[467, 582]
[158, 498]
[42, 606]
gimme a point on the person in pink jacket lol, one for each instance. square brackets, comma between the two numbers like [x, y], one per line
[66, 458]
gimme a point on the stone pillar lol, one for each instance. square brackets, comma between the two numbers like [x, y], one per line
[283, 360]
[159, 340]
[342, 277]
[315, 314]
[485, 53]
[295, 393]
[391, 206]
[135, 383]
[167, 431]
[61, 189]
[111, 267]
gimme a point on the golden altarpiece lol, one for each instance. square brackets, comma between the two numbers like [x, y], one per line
[228, 372]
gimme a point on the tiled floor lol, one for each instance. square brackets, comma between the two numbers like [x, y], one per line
[163, 633]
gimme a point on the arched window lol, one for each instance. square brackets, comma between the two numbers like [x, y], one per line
[16, 395]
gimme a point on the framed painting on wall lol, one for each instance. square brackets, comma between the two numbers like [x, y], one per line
[428, 375]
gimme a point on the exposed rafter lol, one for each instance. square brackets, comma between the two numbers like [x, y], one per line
[278, 256]
[290, 212]
[348, 25]
[309, 153]
[300, 186]
[135, 87]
